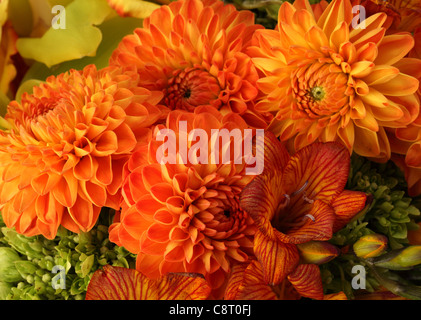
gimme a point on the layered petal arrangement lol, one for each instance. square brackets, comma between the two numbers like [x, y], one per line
[193, 51]
[185, 216]
[334, 79]
[62, 158]
[297, 199]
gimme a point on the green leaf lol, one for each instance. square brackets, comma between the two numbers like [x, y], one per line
[113, 30]
[87, 265]
[80, 37]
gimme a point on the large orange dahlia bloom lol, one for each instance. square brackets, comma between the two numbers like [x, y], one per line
[185, 217]
[193, 51]
[62, 158]
[328, 81]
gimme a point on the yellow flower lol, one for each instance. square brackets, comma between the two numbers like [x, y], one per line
[328, 80]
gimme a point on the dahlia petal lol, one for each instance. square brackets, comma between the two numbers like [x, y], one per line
[278, 259]
[84, 170]
[369, 122]
[65, 190]
[400, 85]
[381, 74]
[335, 13]
[413, 158]
[322, 168]
[307, 281]
[94, 192]
[340, 35]
[44, 183]
[84, 214]
[366, 142]
[347, 136]
[346, 206]
[393, 48]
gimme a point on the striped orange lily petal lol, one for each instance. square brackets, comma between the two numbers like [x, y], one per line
[346, 206]
[278, 258]
[322, 168]
[336, 296]
[247, 283]
[307, 281]
[117, 283]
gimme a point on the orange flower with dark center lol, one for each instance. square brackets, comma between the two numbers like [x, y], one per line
[185, 217]
[328, 81]
[193, 51]
[63, 156]
[298, 199]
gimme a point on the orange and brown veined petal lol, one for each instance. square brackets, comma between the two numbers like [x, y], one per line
[300, 199]
[331, 80]
[186, 217]
[247, 282]
[194, 52]
[62, 160]
[117, 283]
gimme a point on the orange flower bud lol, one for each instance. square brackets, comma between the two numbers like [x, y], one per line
[371, 245]
[317, 252]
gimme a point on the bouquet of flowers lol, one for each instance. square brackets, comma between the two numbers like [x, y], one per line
[209, 150]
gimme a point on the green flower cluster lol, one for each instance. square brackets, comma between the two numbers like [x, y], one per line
[36, 268]
[389, 212]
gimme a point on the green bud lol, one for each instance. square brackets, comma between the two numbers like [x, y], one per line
[8, 272]
[317, 252]
[25, 268]
[5, 290]
[371, 245]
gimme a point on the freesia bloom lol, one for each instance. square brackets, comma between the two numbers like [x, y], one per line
[63, 156]
[117, 283]
[193, 51]
[185, 217]
[298, 199]
[327, 81]
[247, 283]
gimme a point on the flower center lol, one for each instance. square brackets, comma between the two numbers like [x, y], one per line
[190, 88]
[317, 93]
[319, 90]
[293, 212]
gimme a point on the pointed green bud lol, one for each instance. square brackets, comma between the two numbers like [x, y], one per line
[317, 252]
[409, 257]
[25, 268]
[8, 272]
[371, 245]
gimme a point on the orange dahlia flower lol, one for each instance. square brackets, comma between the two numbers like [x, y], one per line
[328, 81]
[185, 217]
[193, 51]
[298, 199]
[117, 283]
[62, 158]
